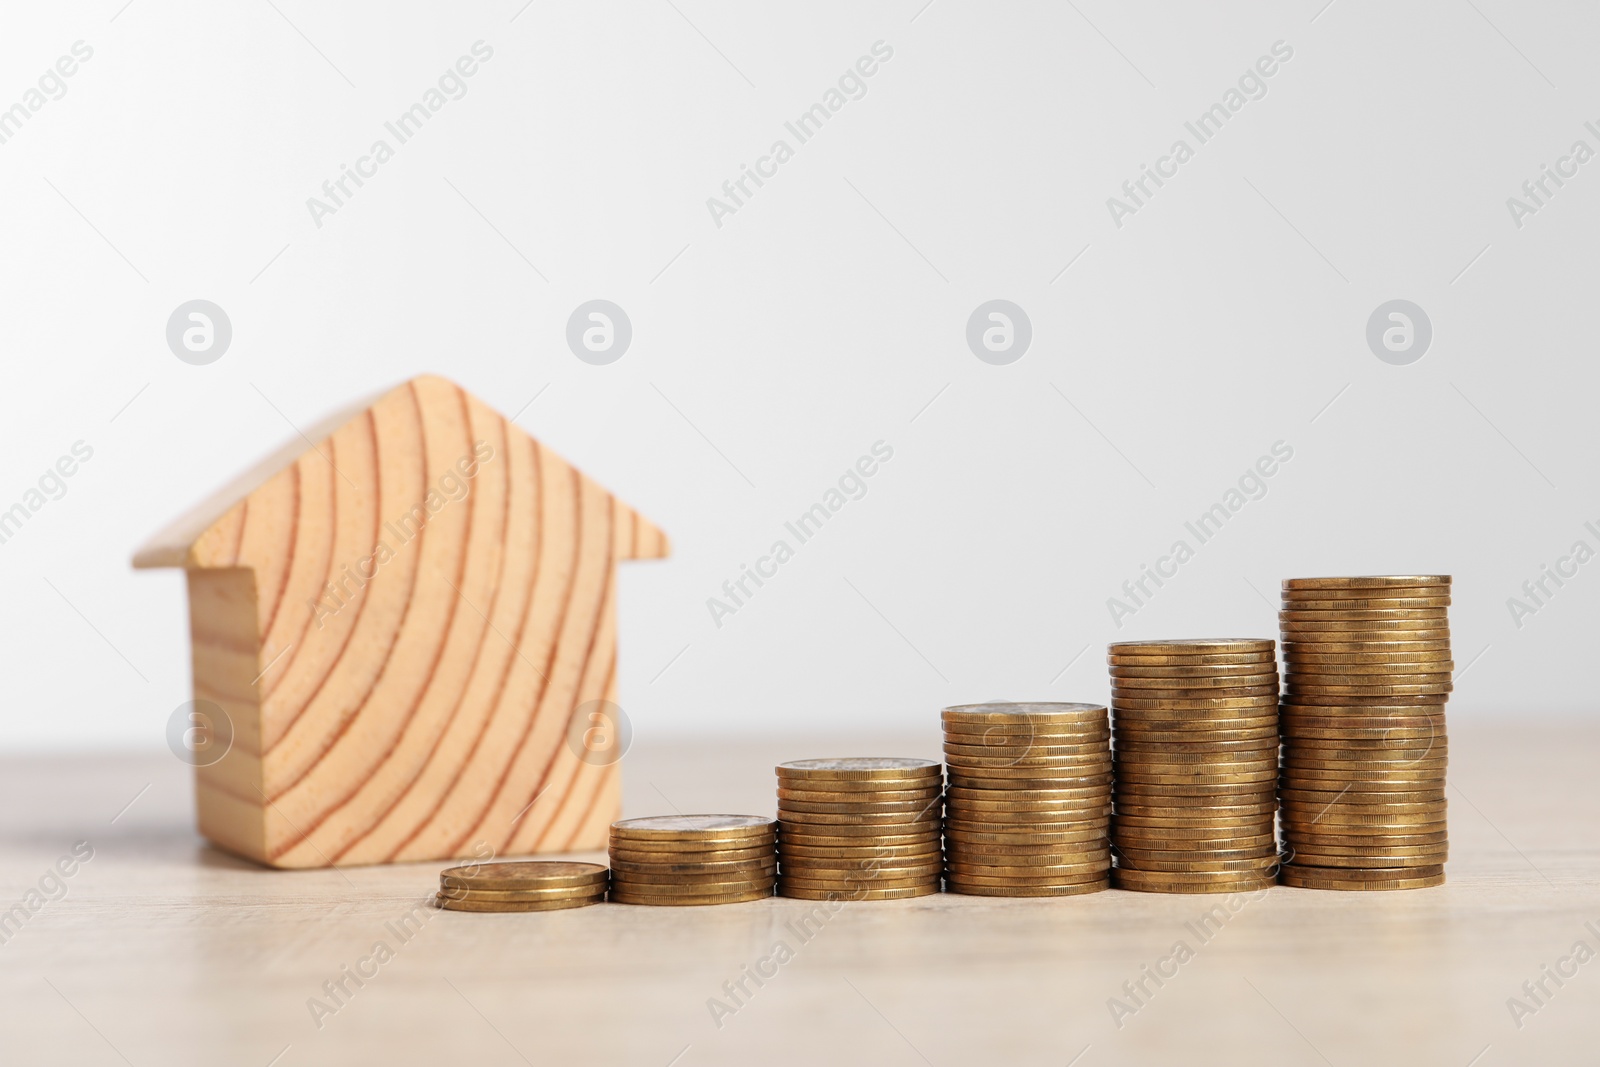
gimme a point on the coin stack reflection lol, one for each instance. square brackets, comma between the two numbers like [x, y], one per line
[1195, 726]
[1367, 671]
[1029, 798]
[859, 829]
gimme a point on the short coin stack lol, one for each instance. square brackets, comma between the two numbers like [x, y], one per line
[1029, 799]
[1367, 670]
[859, 829]
[534, 885]
[692, 859]
[1196, 725]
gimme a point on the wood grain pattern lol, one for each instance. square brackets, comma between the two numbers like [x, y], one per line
[400, 624]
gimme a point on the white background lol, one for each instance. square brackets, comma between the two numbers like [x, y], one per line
[828, 313]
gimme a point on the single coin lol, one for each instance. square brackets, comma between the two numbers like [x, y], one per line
[1255, 853]
[856, 893]
[1204, 671]
[988, 714]
[1189, 683]
[1196, 750]
[856, 796]
[1299, 839]
[1198, 820]
[953, 750]
[1191, 646]
[1367, 581]
[984, 783]
[847, 882]
[658, 856]
[1409, 589]
[1419, 702]
[1099, 765]
[1214, 712]
[864, 836]
[1302, 660]
[1193, 796]
[1300, 601]
[1083, 850]
[1298, 613]
[1180, 733]
[1223, 811]
[556, 904]
[1362, 880]
[909, 817]
[1296, 630]
[692, 827]
[523, 874]
[1198, 777]
[1022, 733]
[561, 893]
[786, 808]
[1296, 809]
[727, 883]
[1318, 671]
[1065, 789]
[879, 873]
[891, 853]
[1146, 840]
[1324, 856]
[1190, 882]
[730, 869]
[1029, 838]
[687, 902]
[1081, 889]
[1321, 799]
[1123, 696]
[860, 768]
[1265, 866]
[1203, 659]
[1393, 716]
[1084, 878]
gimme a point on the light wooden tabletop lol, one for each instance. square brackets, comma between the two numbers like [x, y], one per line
[160, 950]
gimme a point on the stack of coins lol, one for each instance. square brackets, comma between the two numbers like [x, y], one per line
[1367, 671]
[539, 885]
[1196, 759]
[1029, 799]
[693, 859]
[858, 829]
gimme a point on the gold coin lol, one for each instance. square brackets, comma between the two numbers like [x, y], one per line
[650, 872]
[1197, 684]
[1079, 889]
[688, 902]
[1219, 710]
[854, 894]
[855, 836]
[1261, 822]
[1299, 613]
[1050, 768]
[1024, 732]
[1367, 603]
[1086, 786]
[1340, 596]
[1321, 800]
[787, 808]
[1197, 750]
[1299, 631]
[1362, 880]
[1203, 671]
[1191, 882]
[1039, 829]
[847, 883]
[1265, 866]
[965, 796]
[524, 874]
[856, 796]
[953, 750]
[1398, 716]
[657, 856]
[1308, 660]
[1192, 646]
[720, 828]
[1179, 732]
[1266, 774]
[909, 817]
[1317, 671]
[1309, 839]
[1254, 854]
[1428, 749]
[1123, 696]
[490, 895]
[887, 852]
[1002, 874]
[1204, 659]
[1367, 581]
[1081, 852]
[728, 882]
[860, 768]
[1086, 878]
[866, 868]
[1035, 713]
[1365, 856]
[1200, 842]
[1224, 811]
[1298, 808]
[555, 904]
[1028, 838]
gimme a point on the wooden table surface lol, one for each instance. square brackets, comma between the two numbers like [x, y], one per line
[161, 950]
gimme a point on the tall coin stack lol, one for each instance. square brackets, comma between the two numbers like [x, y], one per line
[1029, 799]
[859, 829]
[1195, 724]
[1367, 672]
[692, 859]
